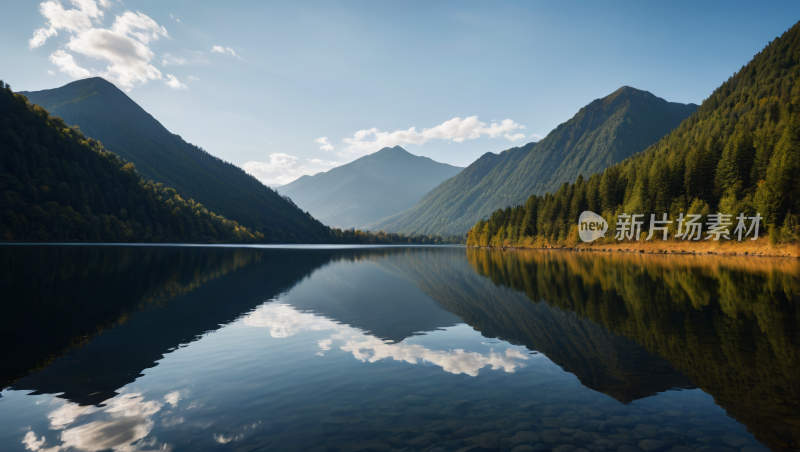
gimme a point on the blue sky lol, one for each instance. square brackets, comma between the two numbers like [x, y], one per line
[298, 87]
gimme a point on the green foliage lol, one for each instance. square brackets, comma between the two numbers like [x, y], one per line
[357, 236]
[59, 185]
[601, 134]
[106, 114]
[739, 152]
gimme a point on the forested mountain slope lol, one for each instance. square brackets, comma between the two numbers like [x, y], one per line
[369, 188]
[602, 133]
[105, 113]
[58, 185]
[738, 153]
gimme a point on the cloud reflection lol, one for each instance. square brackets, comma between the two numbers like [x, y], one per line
[125, 420]
[285, 321]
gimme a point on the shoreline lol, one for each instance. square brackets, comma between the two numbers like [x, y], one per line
[759, 248]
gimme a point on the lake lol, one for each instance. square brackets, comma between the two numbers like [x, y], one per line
[429, 349]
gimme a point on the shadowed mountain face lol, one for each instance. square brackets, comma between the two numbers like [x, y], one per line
[368, 189]
[105, 113]
[602, 133]
[731, 326]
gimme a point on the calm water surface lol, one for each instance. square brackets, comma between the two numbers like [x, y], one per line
[378, 349]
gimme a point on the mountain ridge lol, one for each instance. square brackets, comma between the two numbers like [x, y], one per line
[601, 133]
[104, 112]
[369, 188]
[59, 185]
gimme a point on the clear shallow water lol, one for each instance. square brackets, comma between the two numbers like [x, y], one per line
[180, 348]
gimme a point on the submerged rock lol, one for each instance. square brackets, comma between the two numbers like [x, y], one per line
[419, 442]
[647, 431]
[524, 437]
[523, 448]
[487, 440]
[681, 449]
[620, 421]
[503, 424]
[564, 448]
[628, 448]
[552, 436]
[734, 441]
[582, 437]
[414, 400]
[652, 445]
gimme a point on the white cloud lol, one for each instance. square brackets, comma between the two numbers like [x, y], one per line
[368, 141]
[283, 168]
[221, 49]
[325, 344]
[193, 78]
[323, 162]
[222, 439]
[284, 321]
[66, 64]
[138, 26]
[124, 46]
[535, 137]
[72, 20]
[51, 72]
[326, 144]
[174, 83]
[168, 59]
[173, 397]
[458, 361]
[187, 57]
[31, 443]
[127, 415]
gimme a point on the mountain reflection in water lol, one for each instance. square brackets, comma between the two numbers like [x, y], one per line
[191, 348]
[731, 325]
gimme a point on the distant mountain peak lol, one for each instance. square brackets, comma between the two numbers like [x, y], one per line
[369, 188]
[392, 151]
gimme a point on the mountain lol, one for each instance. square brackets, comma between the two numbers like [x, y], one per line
[368, 189]
[602, 133]
[738, 153]
[105, 113]
[58, 185]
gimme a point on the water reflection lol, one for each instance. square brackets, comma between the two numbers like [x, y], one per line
[731, 325]
[397, 348]
[122, 425]
[284, 321]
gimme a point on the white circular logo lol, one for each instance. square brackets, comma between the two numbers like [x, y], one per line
[591, 226]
